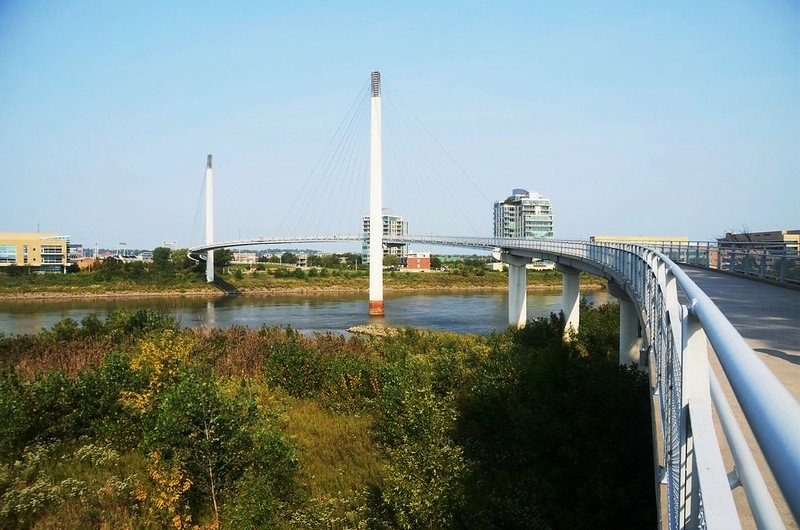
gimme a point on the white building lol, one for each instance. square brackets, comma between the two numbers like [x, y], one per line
[525, 214]
[244, 256]
[393, 225]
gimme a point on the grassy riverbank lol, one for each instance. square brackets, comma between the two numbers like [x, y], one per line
[144, 282]
[132, 422]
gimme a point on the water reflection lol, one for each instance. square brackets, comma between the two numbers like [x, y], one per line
[463, 312]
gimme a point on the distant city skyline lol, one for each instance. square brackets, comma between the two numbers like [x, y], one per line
[672, 119]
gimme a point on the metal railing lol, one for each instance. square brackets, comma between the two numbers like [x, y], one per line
[774, 261]
[697, 482]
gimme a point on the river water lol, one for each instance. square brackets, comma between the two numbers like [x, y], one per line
[465, 312]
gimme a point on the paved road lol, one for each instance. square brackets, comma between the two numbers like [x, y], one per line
[768, 317]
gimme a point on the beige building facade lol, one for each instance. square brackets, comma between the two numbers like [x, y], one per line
[790, 238]
[41, 251]
[639, 240]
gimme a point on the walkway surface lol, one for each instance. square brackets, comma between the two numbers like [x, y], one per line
[768, 317]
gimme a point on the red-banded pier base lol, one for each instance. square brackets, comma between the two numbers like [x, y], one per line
[376, 307]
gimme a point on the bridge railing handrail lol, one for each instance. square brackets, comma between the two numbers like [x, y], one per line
[774, 261]
[771, 411]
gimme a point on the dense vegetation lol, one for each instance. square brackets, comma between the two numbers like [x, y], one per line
[132, 422]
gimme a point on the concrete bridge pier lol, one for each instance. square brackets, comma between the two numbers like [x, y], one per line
[630, 343]
[517, 287]
[517, 290]
[570, 299]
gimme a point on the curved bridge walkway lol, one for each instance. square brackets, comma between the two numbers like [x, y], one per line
[768, 318]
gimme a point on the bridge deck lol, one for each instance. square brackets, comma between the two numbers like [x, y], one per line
[768, 317]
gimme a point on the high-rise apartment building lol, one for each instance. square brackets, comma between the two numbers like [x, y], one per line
[393, 225]
[525, 214]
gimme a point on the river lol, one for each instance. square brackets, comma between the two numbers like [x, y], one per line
[465, 312]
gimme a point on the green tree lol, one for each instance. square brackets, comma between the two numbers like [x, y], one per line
[436, 262]
[223, 257]
[290, 258]
[391, 261]
[181, 260]
[162, 259]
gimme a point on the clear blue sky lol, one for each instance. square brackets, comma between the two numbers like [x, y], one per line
[671, 118]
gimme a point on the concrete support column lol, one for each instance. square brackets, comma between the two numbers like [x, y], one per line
[630, 344]
[570, 299]
[629, 341]
[517, 287]
[517, 295]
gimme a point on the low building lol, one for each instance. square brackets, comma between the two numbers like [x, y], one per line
[418, 261]
[778, 239]
[145, 255]
[734, 249]
[245, 257]
[75, 252]
[41, 251]
[87, 263]
[639, 240]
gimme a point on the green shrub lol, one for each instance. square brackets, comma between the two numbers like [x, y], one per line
[16, 419]
[98, 409]
[295, 367]
[351, 381]
[215, 435]
[422, 486]
[50, 403]
[123, 323]
[92, 327]
[65, 330]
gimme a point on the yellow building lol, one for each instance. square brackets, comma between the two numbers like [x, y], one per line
[41, 251]
[639, 240]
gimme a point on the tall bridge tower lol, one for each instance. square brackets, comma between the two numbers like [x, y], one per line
[209, 219]
[375, 201]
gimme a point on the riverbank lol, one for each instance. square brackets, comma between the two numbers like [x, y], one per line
[266, 286]
[270, 291]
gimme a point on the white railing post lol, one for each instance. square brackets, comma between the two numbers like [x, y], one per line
[704, 473]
